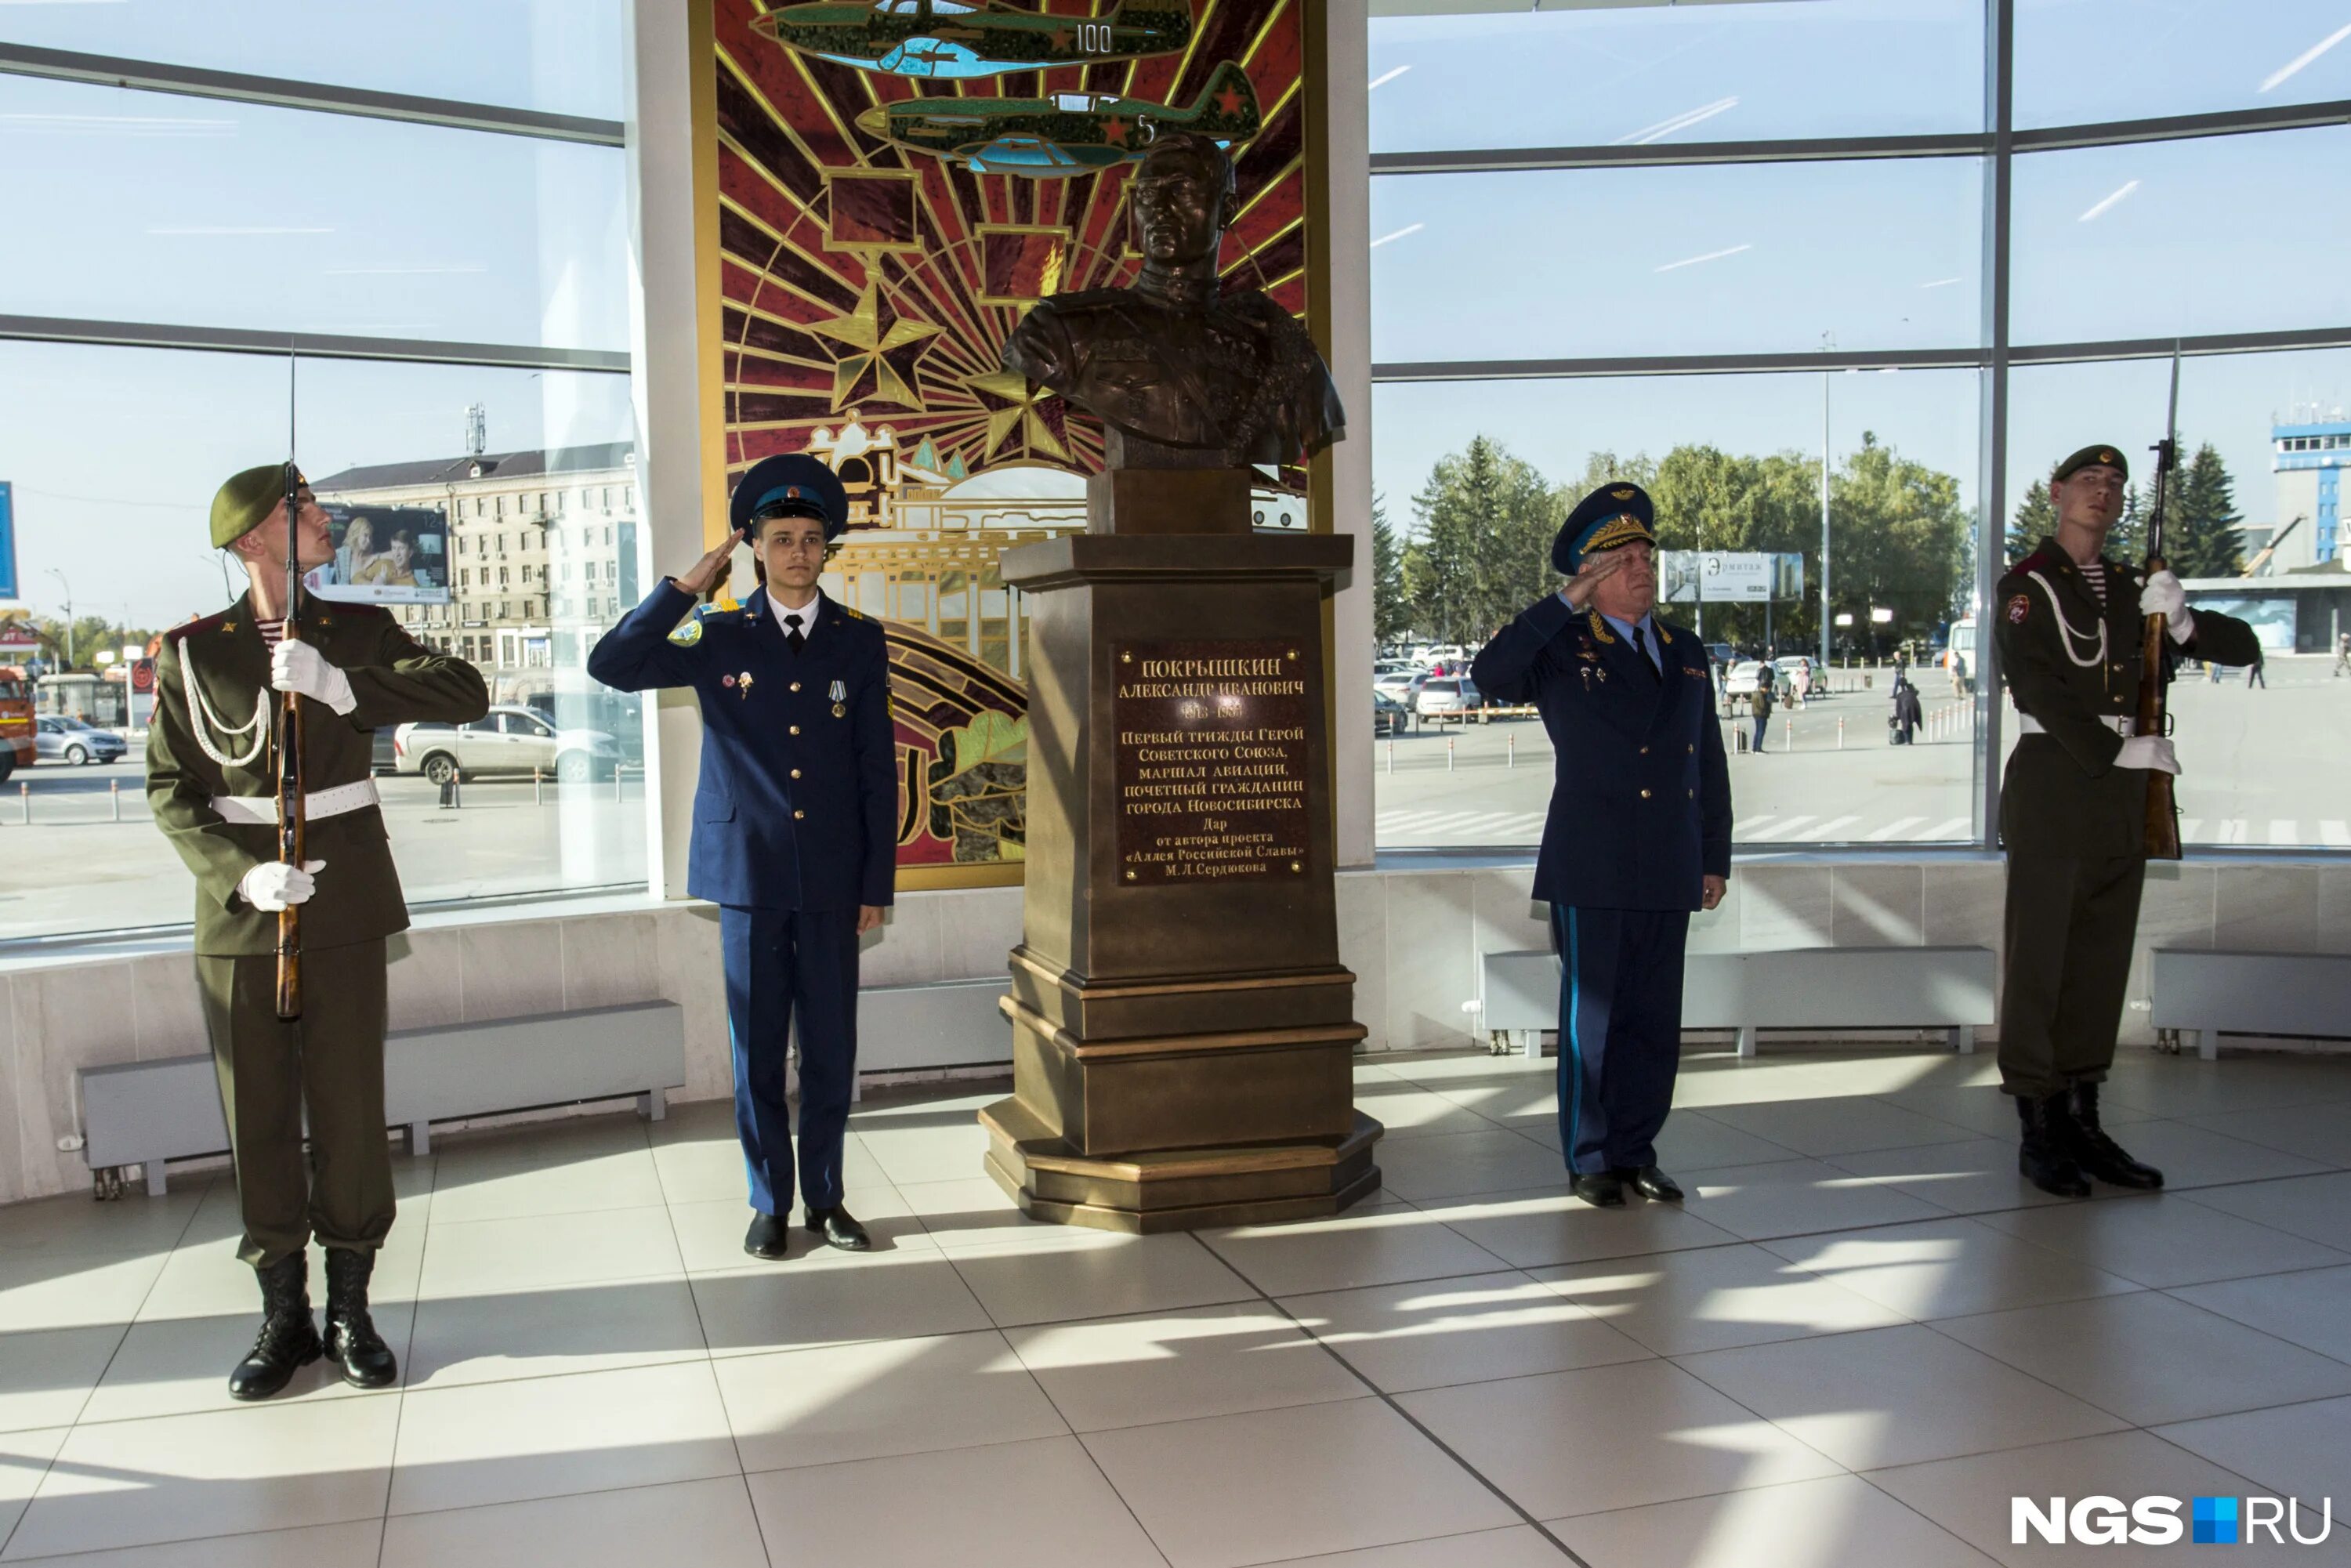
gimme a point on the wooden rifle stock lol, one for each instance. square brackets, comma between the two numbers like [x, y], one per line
[291, 823]
[2162, 832]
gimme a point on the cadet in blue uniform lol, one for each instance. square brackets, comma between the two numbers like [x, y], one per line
[1638, 833]
[794, 819]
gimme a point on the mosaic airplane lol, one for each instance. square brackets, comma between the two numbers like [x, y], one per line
[1066, 134]
[949, 41]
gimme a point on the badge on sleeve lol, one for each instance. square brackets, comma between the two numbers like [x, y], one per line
[2019, 607]
[687, 635]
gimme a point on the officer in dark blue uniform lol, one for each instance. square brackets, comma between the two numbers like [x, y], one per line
[794, 819]
[1638, 834]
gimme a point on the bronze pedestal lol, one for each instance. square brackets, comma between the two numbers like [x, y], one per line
[1183, 1030]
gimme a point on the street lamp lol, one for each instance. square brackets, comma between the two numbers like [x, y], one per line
[1828, 345]
[68, 588]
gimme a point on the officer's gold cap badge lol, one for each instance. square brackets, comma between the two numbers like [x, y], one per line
[1625, 493]
[1616, 530]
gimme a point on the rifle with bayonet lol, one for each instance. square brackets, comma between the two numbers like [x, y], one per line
[2162, 830]
[291, 823]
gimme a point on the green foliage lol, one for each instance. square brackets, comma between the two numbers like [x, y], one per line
[2201, 534]
[2036, 520]
[1483, 550]
[1391, 613]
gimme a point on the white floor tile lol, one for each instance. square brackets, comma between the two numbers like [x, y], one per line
[1074, 1271]
[2164, 1240]
[710, 1233]
[1837, 1521]
[1408, 1112]
[176, 1367]
[1516, 1547]
[1529, 1230]
[1794, 1198]
[61, 1289]
[1947, 1267]
[1468, 1330]
[548, 1252]
[72, 1223]
[2317, 1131]
[218, 1474]
[481, 1190]
[952, 1147]
[551, 1436]
[2190, 1086]
[1895, 1397]
[1290, 1483]
[707, 1524]
[2317, 1208]
[889, 1396]
[45, 1376]
[794, 1306]
[2191, 1157]
[1378, 1247]
[460, 1156]
[1007, 1505]
[1827, 1127]
[1974, 1175]
[1453, 1163]
[2305, 1308]
[24, 1459]
[354, 1545]
[2293, 1450]
[2151, 1359]
[969, 1209]
[1179, 1365]
[492, 1337]
[1679, 1302]
[1611, 1437]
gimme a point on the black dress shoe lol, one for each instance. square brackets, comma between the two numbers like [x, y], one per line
[352, 1341]
[837, 1228]
[1602, 1191]
[1649, 1182]
[289, 1340]
[768, 1238]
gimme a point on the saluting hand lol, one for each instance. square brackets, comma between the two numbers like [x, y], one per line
[1595, 570]
[711, 568]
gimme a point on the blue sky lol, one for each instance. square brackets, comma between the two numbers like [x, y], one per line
[149, 206]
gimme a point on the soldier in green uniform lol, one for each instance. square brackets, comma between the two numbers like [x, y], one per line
[2073, 814]
[210, 778]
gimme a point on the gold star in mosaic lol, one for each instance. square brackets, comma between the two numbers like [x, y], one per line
[884, 345]
[1012, 403]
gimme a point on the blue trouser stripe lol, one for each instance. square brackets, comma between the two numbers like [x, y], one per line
[786, 968]
[1619, 1030]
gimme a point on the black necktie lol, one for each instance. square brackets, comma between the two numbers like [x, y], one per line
[1640, 646]
[793, 635]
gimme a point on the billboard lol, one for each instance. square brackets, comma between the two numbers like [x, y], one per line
[7, 541]
[1729, 577]
[385, 555]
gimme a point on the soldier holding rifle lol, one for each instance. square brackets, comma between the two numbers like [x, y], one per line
[2076, 811]
[213, 764]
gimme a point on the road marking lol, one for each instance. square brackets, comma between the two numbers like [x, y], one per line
[1894, 828]
[1954, 827]
[1787, 828]
[1747, 827]
[1828, 828]
[2333, 832]
[2282, 831]
[2232, 832]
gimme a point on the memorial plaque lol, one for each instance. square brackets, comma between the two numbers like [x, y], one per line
[1212, 760]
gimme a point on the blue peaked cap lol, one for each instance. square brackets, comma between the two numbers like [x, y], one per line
[795, 484]
[1615, 514]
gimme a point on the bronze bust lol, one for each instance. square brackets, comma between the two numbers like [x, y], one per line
[1183, 377]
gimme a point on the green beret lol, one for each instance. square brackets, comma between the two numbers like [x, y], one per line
[244, 502]
[2103, 457]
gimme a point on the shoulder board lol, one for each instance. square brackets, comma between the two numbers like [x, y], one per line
[2038, 560]
[198, 623]
[852, 614]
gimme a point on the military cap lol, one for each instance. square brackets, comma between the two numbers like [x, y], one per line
[2103, 457]
[790, 484]
[244, 502]
[1615, 514]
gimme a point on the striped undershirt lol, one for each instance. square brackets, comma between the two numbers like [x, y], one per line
[2095, 574]
[272, 633]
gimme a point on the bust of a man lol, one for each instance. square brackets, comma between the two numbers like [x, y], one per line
[1184, 376]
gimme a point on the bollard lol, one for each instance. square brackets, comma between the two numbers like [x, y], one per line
[114, 797]
[1392, 753]
[536, 798]
[1787, 735]
[616, 783]
[1448, 754]
[25, 801]
[1511, 751]
[1840, 732]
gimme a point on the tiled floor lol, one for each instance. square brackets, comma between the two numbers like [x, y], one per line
[1861, 1337]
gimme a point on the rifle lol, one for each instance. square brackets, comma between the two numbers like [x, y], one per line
[291, 823]
[2162, 828]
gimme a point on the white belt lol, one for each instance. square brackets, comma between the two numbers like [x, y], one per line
[261, 810]
[2125, 726]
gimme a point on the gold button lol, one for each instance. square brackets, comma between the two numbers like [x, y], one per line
[1691, 749]
[794, 686]
[798, 815]
[1645, 794]
[1693, 794]
[795, 729]
[1644, 751]
[796, 772]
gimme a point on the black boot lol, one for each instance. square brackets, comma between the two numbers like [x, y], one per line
[352, 1343]
[2047, 1156]
[289, 1340]
[2100, 1155]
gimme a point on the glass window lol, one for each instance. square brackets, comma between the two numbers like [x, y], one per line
[119, 529]
[1721, 260]
[2263, 757]
[202, 213]
[2123, 242]
[2082, 61]
[1734, 465]
[518, 54]
[1627, 74]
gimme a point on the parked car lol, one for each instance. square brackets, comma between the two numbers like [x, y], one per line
[387, 754]
[1388, 715]
[1446, 696]
[1788, 664]
[1744, 677]
[504, 740]
[1397, 683]
[63, 738]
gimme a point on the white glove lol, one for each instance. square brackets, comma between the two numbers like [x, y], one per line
[2163, 596]
[296, 667]
[274, 885]
[2152, 752]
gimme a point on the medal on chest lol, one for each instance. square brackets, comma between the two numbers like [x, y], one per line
[839, 694]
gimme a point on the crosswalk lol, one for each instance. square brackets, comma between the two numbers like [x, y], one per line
[1407, 829]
